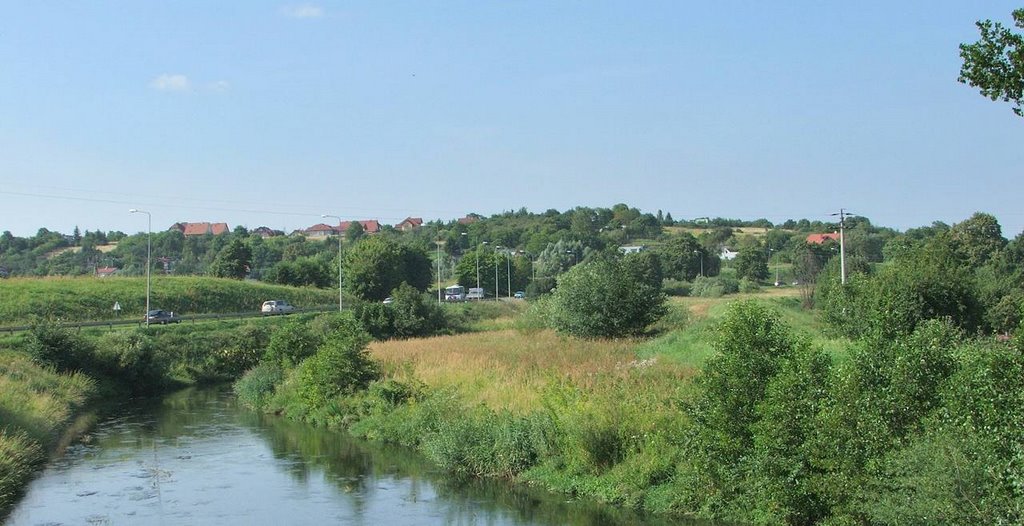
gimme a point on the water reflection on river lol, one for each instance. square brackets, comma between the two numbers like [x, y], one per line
[194, 457]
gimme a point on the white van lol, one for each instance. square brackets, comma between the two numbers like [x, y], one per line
[475, 294]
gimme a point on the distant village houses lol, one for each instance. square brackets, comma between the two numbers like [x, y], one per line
[323, 231]
[201, 229]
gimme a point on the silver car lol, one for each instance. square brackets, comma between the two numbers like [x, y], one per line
[277, 307]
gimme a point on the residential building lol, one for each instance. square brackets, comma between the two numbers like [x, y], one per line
[410, 223]
[817, 239]
[201, 229]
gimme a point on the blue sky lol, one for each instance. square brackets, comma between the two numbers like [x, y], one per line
[266, 113]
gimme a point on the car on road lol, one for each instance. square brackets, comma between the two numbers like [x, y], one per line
[520, 295]
[388, 300]
[277, 307]
[161, 317]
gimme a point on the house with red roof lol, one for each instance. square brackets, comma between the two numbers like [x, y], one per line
[370, 226]
[410, 223]
[817, 239]
[201, 229]
[320, 231]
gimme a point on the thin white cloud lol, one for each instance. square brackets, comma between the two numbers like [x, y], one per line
[171, 82]
[219, 86]
[303, 11]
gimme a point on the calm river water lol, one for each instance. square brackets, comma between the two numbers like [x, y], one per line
[195, 457]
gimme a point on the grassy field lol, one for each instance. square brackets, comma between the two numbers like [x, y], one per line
[89, 298]
[508, 369]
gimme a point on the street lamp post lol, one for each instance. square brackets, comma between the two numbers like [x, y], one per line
[340, 301]
[149, 254]
[843, 214]
[496, 296]
[478, 263]
[508, 273]
[700, 254]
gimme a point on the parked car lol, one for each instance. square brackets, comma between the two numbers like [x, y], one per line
[520, 295]
[277, 307]
[162, 317]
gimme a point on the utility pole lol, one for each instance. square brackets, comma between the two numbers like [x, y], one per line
[843, 214]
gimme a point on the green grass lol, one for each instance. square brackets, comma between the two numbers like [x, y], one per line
[690, 344]
[36, 405]
[89, 298]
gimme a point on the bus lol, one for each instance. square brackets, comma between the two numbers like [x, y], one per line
[455, 293]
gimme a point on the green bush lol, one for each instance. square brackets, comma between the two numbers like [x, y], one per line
[675, 287]
[132, 358]
[410, 314]
[49, 344]
[257, 385]
[714, 287]
[605, 298]
[292, 343]
[341, 365]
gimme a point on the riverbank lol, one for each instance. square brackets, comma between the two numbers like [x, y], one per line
[37, 408]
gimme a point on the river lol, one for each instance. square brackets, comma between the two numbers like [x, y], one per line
[196, 457]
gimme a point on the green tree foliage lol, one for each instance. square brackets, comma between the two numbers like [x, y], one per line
[312, 271]
[355, 232]
[751, 343]
[878, 398]
[377, 265]
[977, 239]
[681, 258]
[781, 472]
[928, 286]
[410, 314]
[995, 63]
[606, 298]
[292, 343]
[752, 263]
[233, 260]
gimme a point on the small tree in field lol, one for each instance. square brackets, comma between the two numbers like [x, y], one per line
[606, 298]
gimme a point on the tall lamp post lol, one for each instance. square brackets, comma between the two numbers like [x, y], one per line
[149, 253]
[508, 272]
[340, 303]
[700, 254]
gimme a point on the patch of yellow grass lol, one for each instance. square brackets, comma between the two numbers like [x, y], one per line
[505, 369]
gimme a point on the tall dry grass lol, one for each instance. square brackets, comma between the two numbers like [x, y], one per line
[508, 370]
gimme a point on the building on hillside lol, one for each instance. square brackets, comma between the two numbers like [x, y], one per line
[727, 254]
[320, 231]
[469, 219]
[410, 223]
[266, 232]
[201, 229]
[817, 239]
[370, 226]
[105, 272]
[633, 249]
[323, 231]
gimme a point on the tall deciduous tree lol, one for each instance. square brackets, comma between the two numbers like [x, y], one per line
[995, 63]
[232, 261]
[377, 265]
